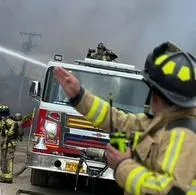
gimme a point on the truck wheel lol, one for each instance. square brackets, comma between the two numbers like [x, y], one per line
[39, 177]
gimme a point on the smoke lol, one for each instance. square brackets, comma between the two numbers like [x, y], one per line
[131, 28]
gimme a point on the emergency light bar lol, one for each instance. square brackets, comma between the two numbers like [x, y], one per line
[108, 65]
[58, 57]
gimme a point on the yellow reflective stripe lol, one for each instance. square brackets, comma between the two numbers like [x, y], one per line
[98, 111]
[99, 108]
[173, 151]
[159, 183]
[168, 152]
[177, 151]
[191, 193]
[136, 140]
[102, 114]
[193, 183]
[160, 59]
[141, 182]
[195, 72]
[133, 178]
[168, 68]
[192, 190]
[184, 73]
[93, 109]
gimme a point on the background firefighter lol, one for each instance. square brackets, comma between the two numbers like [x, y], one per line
[19, 122]
[8, 138]
[102, 53]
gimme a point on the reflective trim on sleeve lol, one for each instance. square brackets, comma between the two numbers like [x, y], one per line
[98, 111]
[193, 183]
[93, 109]
[102, 114]
[173, 151]
[9, 122]
[158, 184]
[192, 190]
[136, 140]
[135, 180]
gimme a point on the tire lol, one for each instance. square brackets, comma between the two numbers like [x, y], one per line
[39, 177]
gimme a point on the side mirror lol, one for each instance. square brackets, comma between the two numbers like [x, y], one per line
[35, 89]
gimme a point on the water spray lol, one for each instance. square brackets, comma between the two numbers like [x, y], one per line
[20, 56]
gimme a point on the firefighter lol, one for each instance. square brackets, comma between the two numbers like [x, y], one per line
[19, 120]
[111, 56]
[163, 156]
[8, 138]
[102, 53]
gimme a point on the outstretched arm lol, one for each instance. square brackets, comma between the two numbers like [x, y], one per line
[174, 167]
[94, 108]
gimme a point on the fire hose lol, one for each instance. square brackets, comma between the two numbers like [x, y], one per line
[86, 153]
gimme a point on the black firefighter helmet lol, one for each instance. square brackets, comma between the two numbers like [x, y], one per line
[18, 117]
[4, 110]
[101, 46]
[173, 73]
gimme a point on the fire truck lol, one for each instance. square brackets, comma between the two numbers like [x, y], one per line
[61, 139]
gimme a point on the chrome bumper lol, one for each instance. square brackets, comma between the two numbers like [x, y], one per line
[56, 163]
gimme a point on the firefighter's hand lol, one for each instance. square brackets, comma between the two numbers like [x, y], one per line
[114, 156]
[69, 82]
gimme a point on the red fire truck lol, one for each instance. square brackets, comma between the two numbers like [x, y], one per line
[60, 137]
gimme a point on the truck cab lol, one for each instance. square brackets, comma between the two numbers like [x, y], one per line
[59, 134]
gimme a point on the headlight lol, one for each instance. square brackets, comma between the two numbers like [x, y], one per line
[51, 131]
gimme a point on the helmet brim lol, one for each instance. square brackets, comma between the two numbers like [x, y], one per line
[185, 102]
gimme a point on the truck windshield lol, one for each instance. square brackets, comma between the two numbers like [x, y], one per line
[128, 94]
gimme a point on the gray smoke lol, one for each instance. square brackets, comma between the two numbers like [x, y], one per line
[131, 28]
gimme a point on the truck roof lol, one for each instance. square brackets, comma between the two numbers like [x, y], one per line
[99, 66]
[108, 65]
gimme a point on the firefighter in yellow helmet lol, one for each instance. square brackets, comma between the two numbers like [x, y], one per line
[162, 160]
[8, 138]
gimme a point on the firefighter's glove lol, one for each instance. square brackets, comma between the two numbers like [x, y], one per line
[114, 157]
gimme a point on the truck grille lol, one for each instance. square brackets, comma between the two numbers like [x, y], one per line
[79, 122]
[83, 134]
[84, 141]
